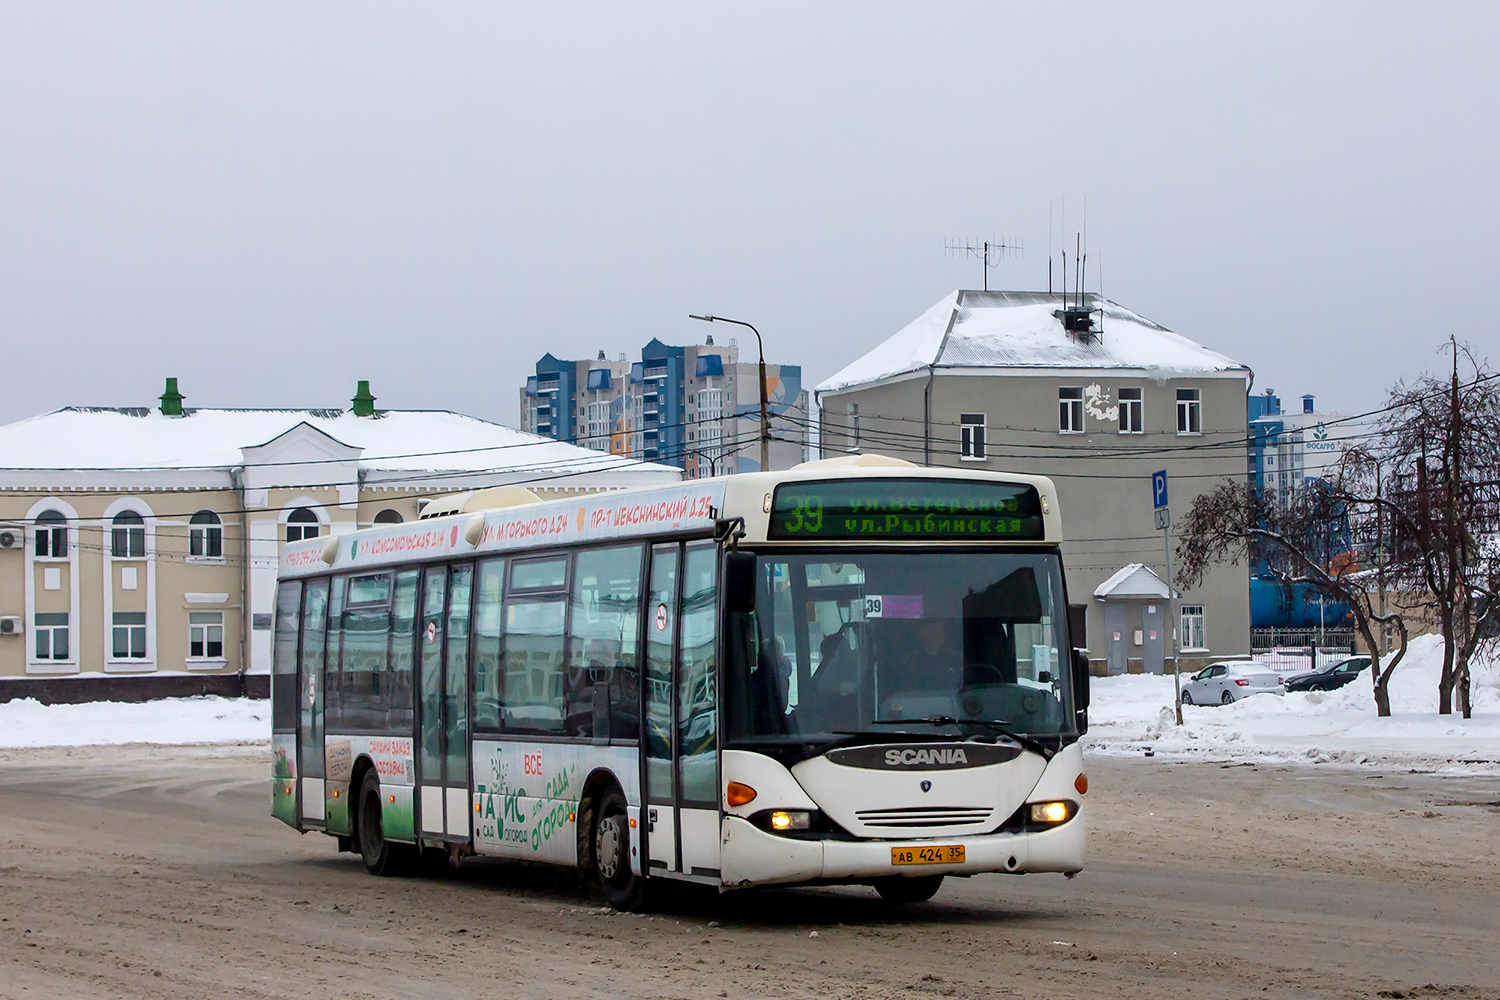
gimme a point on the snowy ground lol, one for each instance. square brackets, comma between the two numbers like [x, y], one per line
[29, 723]
[1132, 715]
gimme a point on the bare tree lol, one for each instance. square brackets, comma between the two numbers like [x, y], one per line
[1441, 438]
[1305, 536]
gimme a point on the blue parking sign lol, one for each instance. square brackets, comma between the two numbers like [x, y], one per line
[1159, 489]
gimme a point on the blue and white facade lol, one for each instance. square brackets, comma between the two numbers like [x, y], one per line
[696, 407]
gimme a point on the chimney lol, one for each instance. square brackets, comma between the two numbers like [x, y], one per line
[1307, 403]
[363, 404]
[601, 356]
[171, 400]
[710, 341]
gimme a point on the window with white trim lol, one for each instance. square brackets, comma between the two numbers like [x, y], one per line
[854, 427]
[1132, 415]
[51, 536]
[129, 635]
[301, 523]
[389, 516]
[1189, 411]
[1070, 409]
[1192, 627]
[51, 630]
[127, 537]
[206, 535]
[205, 635]
[971, 436]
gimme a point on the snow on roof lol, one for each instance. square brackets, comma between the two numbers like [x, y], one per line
[395, 440]
[1132, 580]
[968, 329]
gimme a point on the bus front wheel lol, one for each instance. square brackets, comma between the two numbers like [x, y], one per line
[611, 839]
[909, 890]
[381, 857]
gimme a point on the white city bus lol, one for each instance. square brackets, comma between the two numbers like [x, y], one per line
[857, 671]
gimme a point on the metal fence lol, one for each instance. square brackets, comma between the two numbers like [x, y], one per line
[1293, 650]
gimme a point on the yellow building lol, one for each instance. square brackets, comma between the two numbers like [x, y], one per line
[139, 546]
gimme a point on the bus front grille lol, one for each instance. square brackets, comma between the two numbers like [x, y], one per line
[913, 817]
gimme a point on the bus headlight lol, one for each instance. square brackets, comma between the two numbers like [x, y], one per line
[1051, 813]
[790, 819]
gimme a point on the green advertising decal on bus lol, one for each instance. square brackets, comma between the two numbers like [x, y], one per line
[869, 509]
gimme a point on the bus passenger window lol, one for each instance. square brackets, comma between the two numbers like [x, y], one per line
[487, 640]
[603, 683]
[403, 638]
[367, 625]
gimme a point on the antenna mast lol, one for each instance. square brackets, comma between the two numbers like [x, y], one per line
[986, 251]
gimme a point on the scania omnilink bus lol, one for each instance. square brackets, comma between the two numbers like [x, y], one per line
[856, 671]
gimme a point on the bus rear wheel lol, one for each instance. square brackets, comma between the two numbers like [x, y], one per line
[611, 841]
[381, 857]
[909, 890]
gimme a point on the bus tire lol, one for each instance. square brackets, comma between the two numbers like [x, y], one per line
[908, 890]
[381, 857]
[610, 843]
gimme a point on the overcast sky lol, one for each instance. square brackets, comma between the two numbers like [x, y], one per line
[271, 201]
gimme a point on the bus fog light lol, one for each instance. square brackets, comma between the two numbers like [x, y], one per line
[791, 820]
[1049, 812]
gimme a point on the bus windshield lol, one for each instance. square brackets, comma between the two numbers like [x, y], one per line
[878, 642]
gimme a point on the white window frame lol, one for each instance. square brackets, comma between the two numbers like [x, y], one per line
[1189, 412]
[302, 526]
[1132, 410]
[201, 628]
[971, 437]
[50, 530]
[1070, 409]
[50, 631]
[127, 539]
[1194, 632]
[132, 630]
[204, 536]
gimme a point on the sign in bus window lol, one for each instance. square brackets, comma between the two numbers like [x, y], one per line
[904, 509]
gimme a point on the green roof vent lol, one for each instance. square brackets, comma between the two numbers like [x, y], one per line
[363, 404]
[171, 400]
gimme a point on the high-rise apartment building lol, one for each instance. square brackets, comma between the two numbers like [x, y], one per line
[696, 407]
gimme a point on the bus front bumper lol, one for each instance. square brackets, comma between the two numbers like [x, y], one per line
[752, 856]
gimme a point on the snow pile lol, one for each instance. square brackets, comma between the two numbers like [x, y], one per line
[26, 722]
[1133, 713]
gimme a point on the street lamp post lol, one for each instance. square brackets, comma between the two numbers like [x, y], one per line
[765, 426]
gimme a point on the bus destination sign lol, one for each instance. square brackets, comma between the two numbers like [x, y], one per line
[905, 509]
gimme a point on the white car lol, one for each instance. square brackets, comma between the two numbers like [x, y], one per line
[1222, 683]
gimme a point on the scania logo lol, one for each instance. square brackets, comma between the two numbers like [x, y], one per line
[924, 756]
[918, 757]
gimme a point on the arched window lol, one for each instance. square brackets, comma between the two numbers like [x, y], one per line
[127, 539]
[51, 535]
[206, 535]
[389, 516]
[301, 523]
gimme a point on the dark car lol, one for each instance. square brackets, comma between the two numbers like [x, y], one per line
[1333, 676]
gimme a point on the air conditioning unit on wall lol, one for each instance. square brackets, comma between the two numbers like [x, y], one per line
[10, 624]
[12, 536]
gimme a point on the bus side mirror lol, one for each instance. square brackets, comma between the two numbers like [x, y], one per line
[1081, 689]
[739, 582]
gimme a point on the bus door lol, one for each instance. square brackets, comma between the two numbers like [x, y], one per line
[443, 704]
[310, 717]
[682, 719]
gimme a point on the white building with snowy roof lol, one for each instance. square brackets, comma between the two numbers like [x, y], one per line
[137, 544]
[1097, 397]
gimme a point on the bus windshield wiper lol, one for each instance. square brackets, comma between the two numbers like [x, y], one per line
[848, 737]
[1000, 727]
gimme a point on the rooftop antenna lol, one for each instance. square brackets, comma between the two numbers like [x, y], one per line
[986, 250]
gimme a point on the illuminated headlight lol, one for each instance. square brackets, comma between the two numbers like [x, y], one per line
[792, 819]
[1051, 812]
